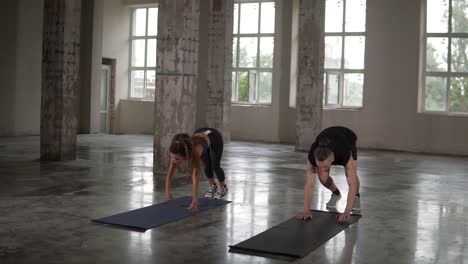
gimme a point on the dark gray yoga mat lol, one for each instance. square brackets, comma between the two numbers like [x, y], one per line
[159, 214]
[294, 237]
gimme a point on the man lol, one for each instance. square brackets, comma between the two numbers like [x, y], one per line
[333, 146]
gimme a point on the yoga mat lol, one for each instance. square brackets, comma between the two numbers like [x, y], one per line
[294, 237]
[159, 214]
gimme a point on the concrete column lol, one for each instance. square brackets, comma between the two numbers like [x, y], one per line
[177, 54]
[60, 79]
[310, 72]
[219, 83]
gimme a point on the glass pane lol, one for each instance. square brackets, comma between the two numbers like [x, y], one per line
[243, 87]
[460, 16]
[267, 22]
[234, 52]
[333, 52]
[459, 95]
[354, 52]
[247, 52]
[139, 22]
[436, 54]
[249, 18]
[233, 87]
[235, 23]
[153, 21]
[437, 16]
[266, 52]
[150, 84]
[459, 54]
[252, 86]
[264, 87]
[334, 16]
[355, 16]
[352, 89]
[332, 89]
[137, 84]
[138, 53]
[151, 59]
[436, 92]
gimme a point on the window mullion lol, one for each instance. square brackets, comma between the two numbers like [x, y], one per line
[238, 51]
[326, 88]
[343, 34]
[146, 54]
[424, 62]
[449, 59]
[130, 55]
[257, 77]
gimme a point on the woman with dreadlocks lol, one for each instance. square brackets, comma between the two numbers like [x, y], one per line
[206, 145]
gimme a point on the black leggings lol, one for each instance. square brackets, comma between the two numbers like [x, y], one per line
[212, 157]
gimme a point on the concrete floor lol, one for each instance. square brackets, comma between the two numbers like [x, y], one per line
[415, 207]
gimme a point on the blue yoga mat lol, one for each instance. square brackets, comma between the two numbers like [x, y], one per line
[159, 214]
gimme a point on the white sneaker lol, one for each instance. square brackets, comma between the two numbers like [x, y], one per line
[221, 193]
[333, 200]
[211, 191]
[357, 204]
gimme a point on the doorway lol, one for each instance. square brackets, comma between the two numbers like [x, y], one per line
[104, 105]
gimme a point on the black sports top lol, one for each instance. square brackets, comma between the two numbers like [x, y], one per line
[342, 143]
[200, 140]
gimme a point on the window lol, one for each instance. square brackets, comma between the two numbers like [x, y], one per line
[253, 45]
[142, 79]
[445, 80]
[345, 27]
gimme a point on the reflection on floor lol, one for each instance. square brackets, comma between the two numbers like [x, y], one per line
[415, 207]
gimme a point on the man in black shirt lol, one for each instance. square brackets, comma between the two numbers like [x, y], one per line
[333, 146]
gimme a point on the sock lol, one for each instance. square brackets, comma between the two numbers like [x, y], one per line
[358, 195]
[337, 192]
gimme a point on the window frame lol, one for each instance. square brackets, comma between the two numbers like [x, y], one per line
[342, 70]
[257, 69]
[145, 37]
[446, 74]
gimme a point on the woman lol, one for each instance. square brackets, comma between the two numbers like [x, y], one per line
[206, 145]
[333, 146]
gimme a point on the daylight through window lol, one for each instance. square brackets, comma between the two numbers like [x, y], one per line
[142, 77]
[253, 45]
[345, 27]
[445, 82]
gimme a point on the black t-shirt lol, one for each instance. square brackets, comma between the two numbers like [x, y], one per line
[342, 143]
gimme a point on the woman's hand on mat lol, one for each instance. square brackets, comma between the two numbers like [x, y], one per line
[343, 217]
[193, 208]
[304, 216]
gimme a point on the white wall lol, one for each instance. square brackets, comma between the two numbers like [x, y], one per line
[115, 45]
[28, 67]
[7, 67]
[390, 119]
[20, 67]
[136, 117]
[262, 123]
[253, 123]
[95, 64]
